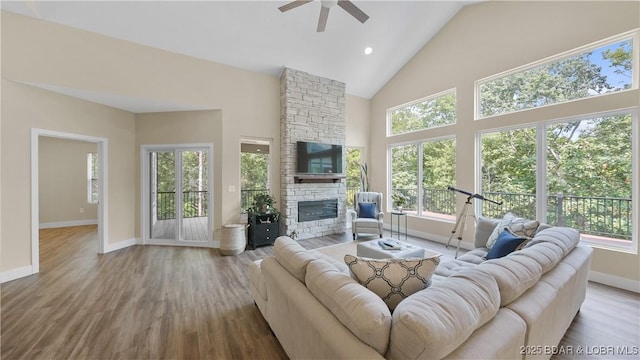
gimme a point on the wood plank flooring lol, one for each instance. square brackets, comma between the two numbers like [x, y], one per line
[195, 229]
[157, 302]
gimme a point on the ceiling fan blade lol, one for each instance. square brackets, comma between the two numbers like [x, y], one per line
[322, 21]
[352, 9]
[293, 5]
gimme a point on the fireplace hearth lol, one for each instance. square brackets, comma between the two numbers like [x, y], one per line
[317, 210]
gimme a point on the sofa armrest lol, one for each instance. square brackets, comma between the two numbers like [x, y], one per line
[380, 216]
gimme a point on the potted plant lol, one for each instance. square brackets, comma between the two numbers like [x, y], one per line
[265, 204]
[400, 200]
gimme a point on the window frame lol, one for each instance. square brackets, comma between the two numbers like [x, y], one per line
[633, 35]
[427, 98]
[419, 212]
[541, 176]
[92, 157]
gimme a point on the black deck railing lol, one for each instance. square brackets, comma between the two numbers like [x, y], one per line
[196, 204]
[599, 216]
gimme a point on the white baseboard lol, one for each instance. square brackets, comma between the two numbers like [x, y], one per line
[615, 281]
[120, 245]
[16, 273]
[60, 224]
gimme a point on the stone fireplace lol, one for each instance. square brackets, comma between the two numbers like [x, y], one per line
[312, 108]
[317, 210]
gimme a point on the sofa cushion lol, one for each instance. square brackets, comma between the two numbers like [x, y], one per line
[506, 243]
[392, 279]
[548, 255]
[518, 226]
[452, 267]
[292, 256]
[475, 256]
[484, 228]
[340, 265]
[514, 275]
[433, 322]
[566, 238]
[357, 308]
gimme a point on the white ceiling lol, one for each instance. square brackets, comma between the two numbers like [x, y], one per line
[256, 36]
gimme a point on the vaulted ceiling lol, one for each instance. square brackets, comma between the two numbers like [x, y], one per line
[256, 36]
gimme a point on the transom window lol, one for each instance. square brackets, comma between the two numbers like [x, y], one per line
[430, 112]
[593, 70]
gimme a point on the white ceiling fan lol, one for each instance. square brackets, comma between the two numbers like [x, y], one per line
[347, 5]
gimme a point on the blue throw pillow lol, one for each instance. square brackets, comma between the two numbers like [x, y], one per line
[367, 210]
[506, 243]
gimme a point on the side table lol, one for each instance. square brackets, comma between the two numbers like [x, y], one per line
[399, 214]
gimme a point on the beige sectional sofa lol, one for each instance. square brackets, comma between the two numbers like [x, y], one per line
[517, 306]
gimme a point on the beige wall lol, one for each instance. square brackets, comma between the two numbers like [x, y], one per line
[357, 122]
[63, 181]
[250, 102]
[24, 108]
[244, 105]
[485, 39]
[179, 128]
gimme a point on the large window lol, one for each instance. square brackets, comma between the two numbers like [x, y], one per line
[434, 162]
[591, 71]
[434, 111]
[574, 173]
[254, 170]
[508, 165]
[589, 175]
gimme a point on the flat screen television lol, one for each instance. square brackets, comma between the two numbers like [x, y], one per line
[318, 158]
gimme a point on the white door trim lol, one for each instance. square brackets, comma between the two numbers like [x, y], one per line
[35, 196]
[144, 193]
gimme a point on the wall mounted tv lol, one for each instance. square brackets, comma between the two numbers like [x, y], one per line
[319, 158]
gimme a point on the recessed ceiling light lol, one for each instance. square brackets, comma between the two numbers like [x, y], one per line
[368, 51]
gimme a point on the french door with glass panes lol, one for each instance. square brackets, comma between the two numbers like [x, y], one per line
[178, 195]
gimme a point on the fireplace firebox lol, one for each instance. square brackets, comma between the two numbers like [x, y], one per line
[317, 210]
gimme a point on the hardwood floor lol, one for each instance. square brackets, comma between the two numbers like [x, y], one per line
[194, 229]
[155, 302]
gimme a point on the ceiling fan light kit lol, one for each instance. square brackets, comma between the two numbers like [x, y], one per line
[325, 6]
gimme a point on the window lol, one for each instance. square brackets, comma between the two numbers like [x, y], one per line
[434, 111]
[576, 173]
[434, 162]
[254, 170]
[508, 165]
[594, 70]
[404, 175]
[589, 175]
[438, 172]
[92, 178]
[353, 172]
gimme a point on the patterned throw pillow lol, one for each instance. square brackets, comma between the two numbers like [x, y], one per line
[518, 226]
[392, 279]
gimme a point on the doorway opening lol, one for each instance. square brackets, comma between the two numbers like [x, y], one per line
[100, 183]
